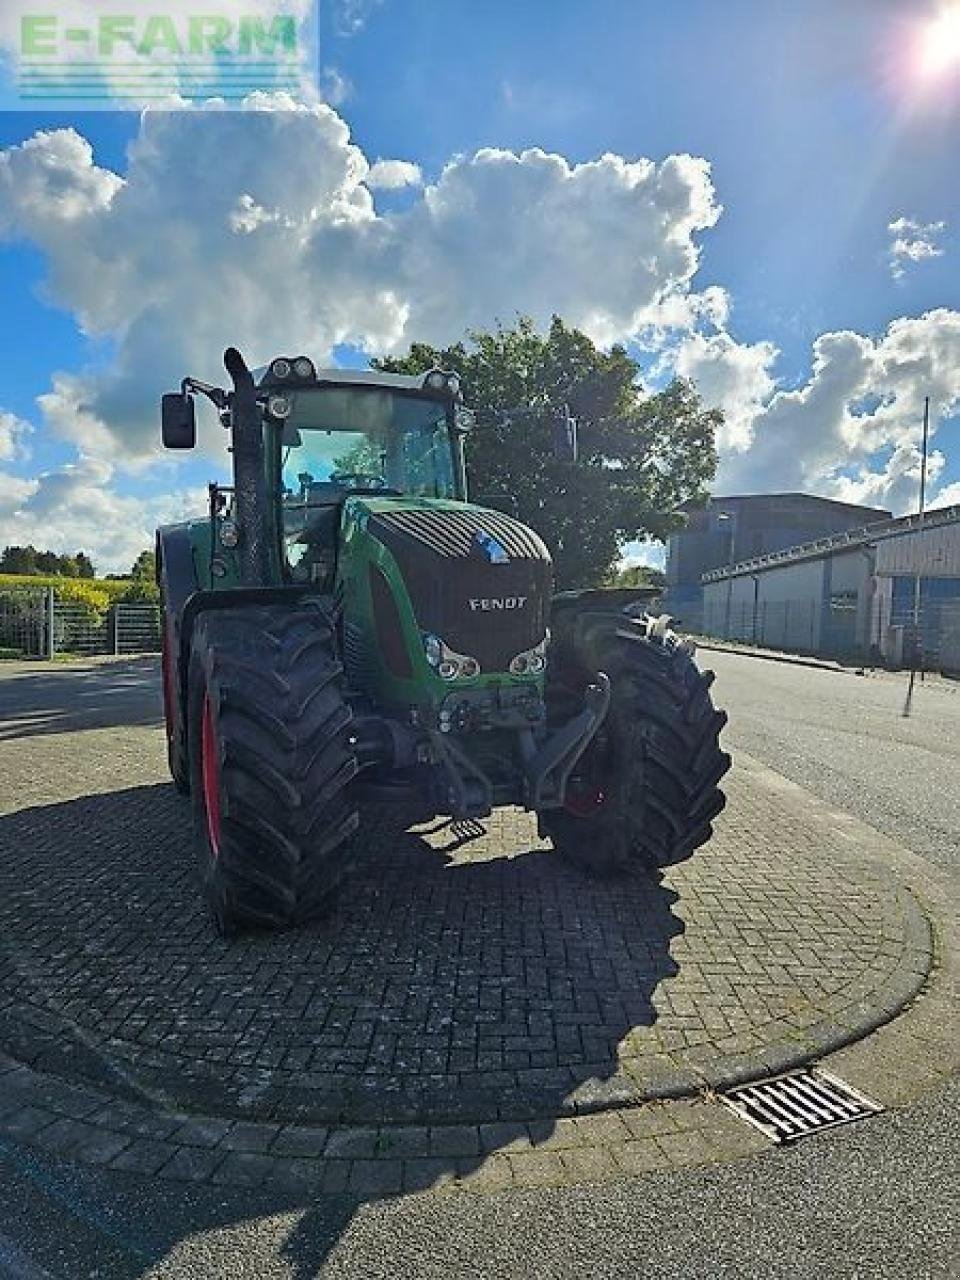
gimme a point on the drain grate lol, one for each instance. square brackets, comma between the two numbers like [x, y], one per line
[791, 1106]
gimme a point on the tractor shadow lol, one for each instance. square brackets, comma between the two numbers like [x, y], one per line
[79, 695]
[467, 976]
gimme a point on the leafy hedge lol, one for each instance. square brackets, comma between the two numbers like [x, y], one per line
[100, 593]
[89, 600]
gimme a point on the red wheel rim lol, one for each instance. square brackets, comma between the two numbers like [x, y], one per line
[211, 775]
[582, 803]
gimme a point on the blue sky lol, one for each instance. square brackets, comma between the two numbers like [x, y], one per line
[820, 131]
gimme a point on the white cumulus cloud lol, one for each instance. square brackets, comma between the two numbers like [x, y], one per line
[389, 175]
[13, 436]
[862, 403]
[75, 507]
[912, 242]
[260, 228]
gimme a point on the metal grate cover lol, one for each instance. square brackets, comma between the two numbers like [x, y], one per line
[791, 1106]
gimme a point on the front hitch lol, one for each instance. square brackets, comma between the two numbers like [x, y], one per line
[548, 767]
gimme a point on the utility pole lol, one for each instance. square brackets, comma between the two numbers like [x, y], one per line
[728, 517]
[916, 649]
[917, 586]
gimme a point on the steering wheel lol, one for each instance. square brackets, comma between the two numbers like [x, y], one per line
[357, 480]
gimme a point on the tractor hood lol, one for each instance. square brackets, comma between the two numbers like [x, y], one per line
[476, 578]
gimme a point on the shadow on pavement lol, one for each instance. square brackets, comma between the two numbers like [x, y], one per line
[445, 988]
[62, 698]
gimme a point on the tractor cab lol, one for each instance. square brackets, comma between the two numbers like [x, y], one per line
[341, 434]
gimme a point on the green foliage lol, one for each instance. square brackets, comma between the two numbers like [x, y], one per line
[639, 575]
[28, 561]
[84, 565]
[145, 567]
[640, 455]
[138, 591]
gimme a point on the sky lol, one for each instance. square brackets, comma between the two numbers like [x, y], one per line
[760, 195]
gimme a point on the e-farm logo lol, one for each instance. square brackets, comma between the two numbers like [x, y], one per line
[119, 58]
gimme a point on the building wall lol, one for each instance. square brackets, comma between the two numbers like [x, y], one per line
[933, 553]
[851, 603]
[760, 523]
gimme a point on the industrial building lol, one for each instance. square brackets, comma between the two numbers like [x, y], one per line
[747, 525]
[887, 592]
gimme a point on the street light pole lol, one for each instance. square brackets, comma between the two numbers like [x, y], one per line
[729, 517]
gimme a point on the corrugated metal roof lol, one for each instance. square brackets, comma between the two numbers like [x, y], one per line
[871, 533]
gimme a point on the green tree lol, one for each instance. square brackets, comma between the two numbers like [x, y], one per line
[639, 575]
[640, 455]
[21, 560]
[84, 564]
[144, 567]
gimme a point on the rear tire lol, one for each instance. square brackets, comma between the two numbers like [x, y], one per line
[270, 763]
[645, 790]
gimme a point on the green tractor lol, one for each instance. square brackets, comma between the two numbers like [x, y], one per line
[346, 629]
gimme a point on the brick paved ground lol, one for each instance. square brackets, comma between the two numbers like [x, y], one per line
[464, 1014]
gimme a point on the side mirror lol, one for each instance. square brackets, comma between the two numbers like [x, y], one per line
[565, 438]
[179, 421]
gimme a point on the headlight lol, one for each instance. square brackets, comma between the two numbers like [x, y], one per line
[453, 384]
[436, 380]
[279, 407]
[449, 665]
[280, 368]
[229, 534]
[531, 662]
[303, 368]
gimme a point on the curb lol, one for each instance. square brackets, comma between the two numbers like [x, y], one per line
[767, 655]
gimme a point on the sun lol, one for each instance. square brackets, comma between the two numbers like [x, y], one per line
[940, 43]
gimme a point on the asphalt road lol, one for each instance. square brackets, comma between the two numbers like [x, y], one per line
[846, 738]
[874, 1200]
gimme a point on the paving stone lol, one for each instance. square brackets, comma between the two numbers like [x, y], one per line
[206, 1132]
[687, 1148]
[249, 1137]
[376, 1177]
[296, 1141]
[143, 1155]
[588, 1164]
[348, 1144]
[455, 1140]
[26, 1122]
[648, 1121]
[193, 1164]
[537, 1169]
[423, 1173]
[241, 1168]
[641, 1155]
[495, 1173]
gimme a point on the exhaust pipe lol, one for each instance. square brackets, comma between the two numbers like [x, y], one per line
[249, 477]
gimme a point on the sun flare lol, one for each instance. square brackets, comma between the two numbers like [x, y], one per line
[940, 43]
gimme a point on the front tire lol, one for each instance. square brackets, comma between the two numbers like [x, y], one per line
[270, 763]
[646, 789]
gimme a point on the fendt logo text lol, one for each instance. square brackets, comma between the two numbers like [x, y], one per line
[502, 602]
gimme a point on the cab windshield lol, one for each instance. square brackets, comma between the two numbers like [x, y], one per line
[341, 440]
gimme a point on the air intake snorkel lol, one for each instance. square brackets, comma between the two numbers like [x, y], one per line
[249, 479]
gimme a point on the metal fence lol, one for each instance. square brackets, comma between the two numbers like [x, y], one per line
[35, 624]
[883, 631]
